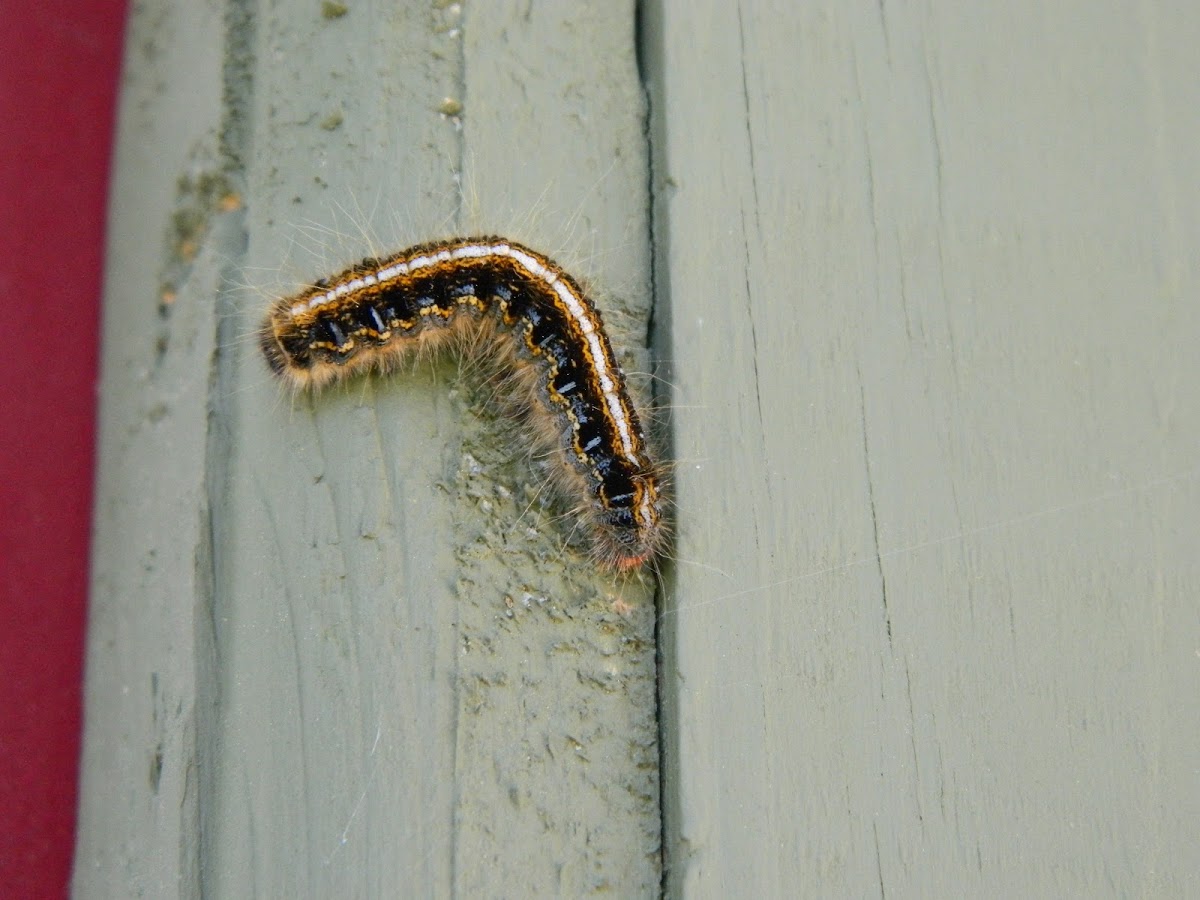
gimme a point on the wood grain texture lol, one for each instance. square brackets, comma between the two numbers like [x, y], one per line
[928, 288]
[927, 298]
[139, 810]
[342, 646]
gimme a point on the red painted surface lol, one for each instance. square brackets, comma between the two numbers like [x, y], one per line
[59, 66]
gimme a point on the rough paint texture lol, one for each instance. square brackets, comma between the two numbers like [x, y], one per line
[932, 311]
[338, 647]
[927, 283]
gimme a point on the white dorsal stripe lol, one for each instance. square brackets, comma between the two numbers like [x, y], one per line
[347, 323]
[575, 306]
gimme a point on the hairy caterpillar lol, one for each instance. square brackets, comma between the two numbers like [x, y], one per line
[493, 294]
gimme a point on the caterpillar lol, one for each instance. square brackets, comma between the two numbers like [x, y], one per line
[490, 294]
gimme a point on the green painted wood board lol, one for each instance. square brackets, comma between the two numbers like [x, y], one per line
[924, 315]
